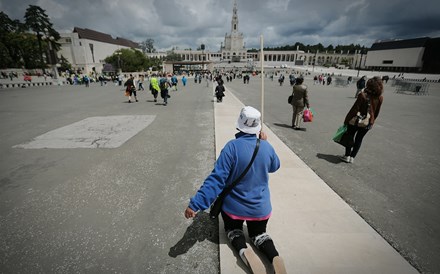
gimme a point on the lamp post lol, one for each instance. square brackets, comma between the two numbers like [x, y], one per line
[314, 60]
[118, 53]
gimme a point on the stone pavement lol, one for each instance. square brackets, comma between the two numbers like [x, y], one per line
[314, 230]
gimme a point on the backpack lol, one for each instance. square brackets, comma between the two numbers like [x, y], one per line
[163, 84]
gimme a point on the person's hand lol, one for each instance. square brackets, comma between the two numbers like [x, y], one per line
[263, 135]
[189, 213]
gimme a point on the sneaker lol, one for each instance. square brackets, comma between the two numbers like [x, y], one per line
[129, 101]
[345, 158]
[252, 261]
[278, 265]
[351, 160]
[155, 100]
[137, 100]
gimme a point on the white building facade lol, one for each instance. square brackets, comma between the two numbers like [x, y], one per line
[86, 49]
[398, 55]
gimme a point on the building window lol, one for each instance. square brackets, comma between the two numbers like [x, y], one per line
[68, 40]
[387, 62]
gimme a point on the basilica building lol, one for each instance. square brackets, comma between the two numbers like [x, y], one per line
[233, 48]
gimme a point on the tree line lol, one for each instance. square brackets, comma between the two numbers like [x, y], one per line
[32, 44]
[26, 44]
[316, 48]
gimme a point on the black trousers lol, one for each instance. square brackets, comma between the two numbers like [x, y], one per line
[358, 133]
[256, 229]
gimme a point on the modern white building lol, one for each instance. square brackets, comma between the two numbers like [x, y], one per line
[410, 55]
[86, 49]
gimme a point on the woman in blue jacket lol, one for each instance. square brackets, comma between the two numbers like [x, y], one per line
[249, 200]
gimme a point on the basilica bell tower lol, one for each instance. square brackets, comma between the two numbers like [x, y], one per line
[233, 49]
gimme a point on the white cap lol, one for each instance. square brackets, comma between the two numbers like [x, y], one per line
[249, 120]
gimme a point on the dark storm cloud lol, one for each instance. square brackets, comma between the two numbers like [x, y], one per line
[187, 24]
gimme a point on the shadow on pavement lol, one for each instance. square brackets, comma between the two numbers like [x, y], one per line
[334, 159]
[202, 228]
[282, 125]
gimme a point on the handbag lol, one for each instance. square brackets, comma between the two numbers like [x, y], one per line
[339, 133]
[346, 140]
[361, 120]
[216, 206]
[290, 99]
[308, 115]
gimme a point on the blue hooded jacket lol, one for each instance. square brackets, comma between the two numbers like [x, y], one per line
[250, 198]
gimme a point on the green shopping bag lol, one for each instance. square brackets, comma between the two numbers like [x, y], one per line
[343, 138]
[339, 133]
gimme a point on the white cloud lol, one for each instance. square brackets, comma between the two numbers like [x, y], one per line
[187, 24]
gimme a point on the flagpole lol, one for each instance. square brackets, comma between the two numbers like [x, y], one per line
[262, 80]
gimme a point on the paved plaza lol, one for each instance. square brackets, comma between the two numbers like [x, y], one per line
[118, 207]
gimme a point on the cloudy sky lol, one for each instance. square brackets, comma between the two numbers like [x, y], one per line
[190, 23]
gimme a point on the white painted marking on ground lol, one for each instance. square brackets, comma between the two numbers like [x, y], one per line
[92, 132]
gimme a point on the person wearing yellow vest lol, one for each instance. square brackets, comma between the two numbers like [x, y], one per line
[154, 87]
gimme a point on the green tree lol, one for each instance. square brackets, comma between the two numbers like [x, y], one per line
[64, 64]
[6, 27]
[147, 46]
[37, 20]
[130, 60]
[172, 56]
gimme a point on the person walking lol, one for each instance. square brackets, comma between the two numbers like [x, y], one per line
[300, 99]
[249, 201]
[292, 79]
[164, 85]
[130, 88]
[174, 82]
[154, 87]
[220, 91]
[281, 79]
[141, 82]
[367, 103]
[329, 80]
[360, 85]
[184, 79]
[86, 80]
[120, 78]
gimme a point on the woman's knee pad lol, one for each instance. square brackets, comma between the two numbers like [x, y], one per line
[265, 244]
[237, 239]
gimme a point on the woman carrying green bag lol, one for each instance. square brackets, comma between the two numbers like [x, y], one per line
[368, 103]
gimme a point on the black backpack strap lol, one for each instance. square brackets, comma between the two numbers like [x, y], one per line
[228, 189]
